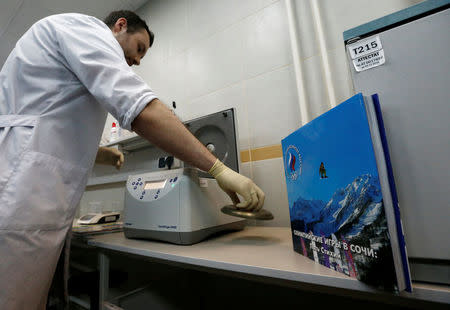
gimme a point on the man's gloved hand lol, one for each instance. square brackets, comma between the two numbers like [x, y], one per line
[232, 182]
[109, 156]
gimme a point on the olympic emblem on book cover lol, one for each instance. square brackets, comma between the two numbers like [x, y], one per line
[293, 163]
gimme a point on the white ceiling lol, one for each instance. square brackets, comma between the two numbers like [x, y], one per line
[16, 16]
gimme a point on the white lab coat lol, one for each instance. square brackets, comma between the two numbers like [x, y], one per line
[56, 87]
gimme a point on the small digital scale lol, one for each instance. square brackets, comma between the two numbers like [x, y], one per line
[98, 218]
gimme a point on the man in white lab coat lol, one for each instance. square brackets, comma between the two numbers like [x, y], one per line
[56, 87]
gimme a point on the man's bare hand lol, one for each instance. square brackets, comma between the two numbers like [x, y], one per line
[109, 156]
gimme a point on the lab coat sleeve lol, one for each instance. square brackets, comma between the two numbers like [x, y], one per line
[96, 58]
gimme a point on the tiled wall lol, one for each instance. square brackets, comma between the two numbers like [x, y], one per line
[211, 55]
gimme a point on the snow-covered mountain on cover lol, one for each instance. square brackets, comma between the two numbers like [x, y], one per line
[352, 208]
[306, 210]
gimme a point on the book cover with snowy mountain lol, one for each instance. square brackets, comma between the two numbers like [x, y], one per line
[335, 197]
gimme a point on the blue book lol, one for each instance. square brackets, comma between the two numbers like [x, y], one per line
[342, 199]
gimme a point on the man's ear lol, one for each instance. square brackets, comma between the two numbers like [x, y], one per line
[120, 25]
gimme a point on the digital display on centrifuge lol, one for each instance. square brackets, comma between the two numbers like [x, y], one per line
[155, 184]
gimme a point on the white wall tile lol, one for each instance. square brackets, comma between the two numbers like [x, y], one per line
[175, 79]
[164, 65]
[153, 69]
[269, 2]
[342, 80]
[269, 176]
[169, 22]
[154, 13]
[266, 40]
[342, 15]
[273, 110]
[133, 5]
[95, 8]
[5, 49]
[26, 15]
[156, 78]
[7, 11]
[209, 17]
[166, 77]
[215, 63]
[29, 13]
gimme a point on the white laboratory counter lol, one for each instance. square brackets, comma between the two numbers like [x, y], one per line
[263, 252]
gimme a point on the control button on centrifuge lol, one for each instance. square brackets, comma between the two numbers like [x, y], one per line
[170, 180]
[176, 178]
[135, 187]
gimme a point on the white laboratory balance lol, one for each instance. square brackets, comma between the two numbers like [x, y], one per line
[183, 205]
[98, 218]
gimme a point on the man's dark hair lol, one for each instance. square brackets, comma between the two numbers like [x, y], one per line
[134, 22]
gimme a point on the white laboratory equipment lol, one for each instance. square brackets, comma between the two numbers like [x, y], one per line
[98, 218]
[183, 205]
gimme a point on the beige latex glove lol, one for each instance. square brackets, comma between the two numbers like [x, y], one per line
[234, 183]
[109, 156]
